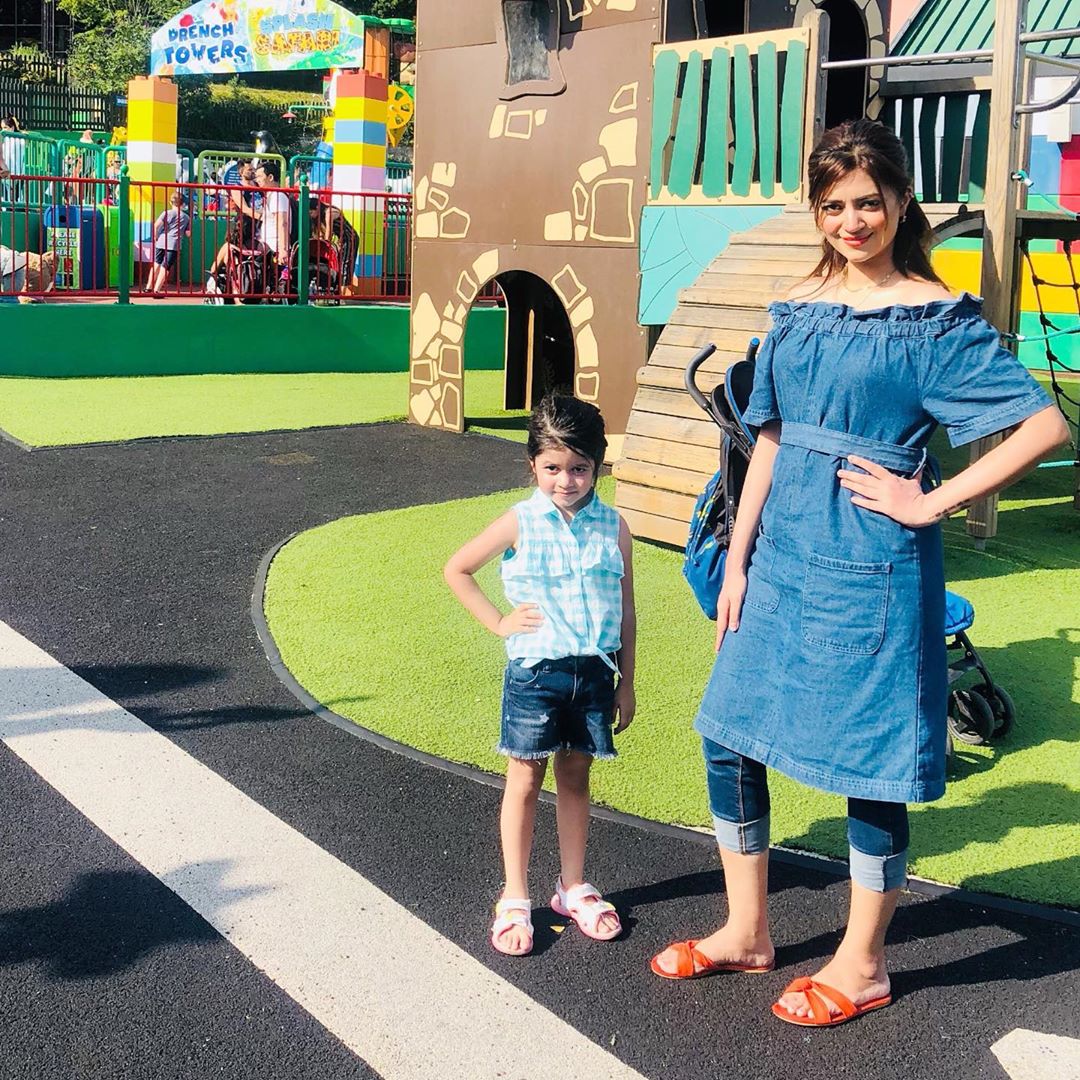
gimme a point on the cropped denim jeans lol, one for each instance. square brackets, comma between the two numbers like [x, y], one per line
[739, 800]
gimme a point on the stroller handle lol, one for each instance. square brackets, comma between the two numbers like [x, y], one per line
[698, 359]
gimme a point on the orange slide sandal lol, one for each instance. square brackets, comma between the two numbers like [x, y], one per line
[819, 995]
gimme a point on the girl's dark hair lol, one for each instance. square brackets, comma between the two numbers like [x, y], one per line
[868, 145]
[562, 422]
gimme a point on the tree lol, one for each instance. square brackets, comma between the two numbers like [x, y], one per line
[115, 46]
[384, 9]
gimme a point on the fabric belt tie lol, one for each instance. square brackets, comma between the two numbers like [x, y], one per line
[905, 459]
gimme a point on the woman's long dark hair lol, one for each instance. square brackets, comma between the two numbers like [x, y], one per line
[868, 145]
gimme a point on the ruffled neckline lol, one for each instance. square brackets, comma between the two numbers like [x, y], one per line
[964, 304]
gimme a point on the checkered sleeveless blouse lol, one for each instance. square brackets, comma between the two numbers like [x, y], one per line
[573, 571]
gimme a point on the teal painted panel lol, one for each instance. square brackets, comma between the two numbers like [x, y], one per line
[928, 147]
[714, 171]
[665, 82]
[907, 130]
[684, 155]
[792, 116]
[951, 25]
[952, 146]
[678, 243]
[767, 117]
[742, 170]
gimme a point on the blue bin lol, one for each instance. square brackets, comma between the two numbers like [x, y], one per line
[77, 235]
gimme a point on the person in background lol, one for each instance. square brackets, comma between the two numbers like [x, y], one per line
[168, 228]
[11, 151]
[275, 228]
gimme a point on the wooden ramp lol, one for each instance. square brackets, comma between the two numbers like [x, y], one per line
[671, 446]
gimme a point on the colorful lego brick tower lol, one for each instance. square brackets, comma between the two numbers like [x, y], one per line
[151, 153]
[360, 161]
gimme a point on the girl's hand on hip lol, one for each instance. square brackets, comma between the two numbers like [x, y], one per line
[625, 705]
[729, 603]
[524, 619]
[898, 497]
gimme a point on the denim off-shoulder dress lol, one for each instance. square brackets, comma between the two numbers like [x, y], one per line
[837, 674]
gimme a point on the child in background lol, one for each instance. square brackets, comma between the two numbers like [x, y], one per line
[566, 569]
[167, 229]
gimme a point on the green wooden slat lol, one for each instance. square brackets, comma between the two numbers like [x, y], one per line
[907, 130]
[684, 156]
[742, 170]
[952, 146]
[665, 82]
[980, 142]
[717, 122]
[927, 146]
[767, 118]
[792, 117]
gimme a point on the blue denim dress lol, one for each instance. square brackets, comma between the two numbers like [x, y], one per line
[837, 674]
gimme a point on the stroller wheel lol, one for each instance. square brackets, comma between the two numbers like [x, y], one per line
[971, 720]
[1001, 705]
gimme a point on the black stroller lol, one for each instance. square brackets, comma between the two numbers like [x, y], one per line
[977, 713]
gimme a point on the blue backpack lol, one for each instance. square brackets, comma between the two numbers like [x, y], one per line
[714, 512]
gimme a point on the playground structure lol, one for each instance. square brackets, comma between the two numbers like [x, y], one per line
[649, 206]
[52, 200]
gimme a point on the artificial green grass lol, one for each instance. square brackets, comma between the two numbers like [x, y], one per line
[367, 626]
[62, 412]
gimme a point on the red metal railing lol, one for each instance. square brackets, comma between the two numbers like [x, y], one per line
[202, 242]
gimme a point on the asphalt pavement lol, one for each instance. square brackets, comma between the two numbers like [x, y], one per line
[133, 565]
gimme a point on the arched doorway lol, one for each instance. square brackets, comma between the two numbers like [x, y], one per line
[539, 340]
[845, 97]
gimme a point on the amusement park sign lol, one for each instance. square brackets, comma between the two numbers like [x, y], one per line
[220, 37]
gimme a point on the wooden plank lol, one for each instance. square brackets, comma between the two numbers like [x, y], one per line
[747, 293]
[748, 250]
[980, 142]
[742, 170]
[650, 527]
[666, 403]
[661, 477]
[675, 429]
[767, 117]
[717, 126]
[661, 503]
[797, 268]
[792, 99]
[699, 336]
[817, 26]
[701, 459]
[721, 316]
[669, 377]
[952, 146]
[730, 345]
[665, 82]
[928, 148]
[799, 235]
[684, 155]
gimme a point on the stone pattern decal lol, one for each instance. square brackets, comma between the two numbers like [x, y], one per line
[602, 205]
[435, 217]
[575, 9]
[876, 34]
[436, 365]
[507, 123]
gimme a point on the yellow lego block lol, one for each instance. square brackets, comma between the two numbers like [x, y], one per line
[361, 109]
[360, 154]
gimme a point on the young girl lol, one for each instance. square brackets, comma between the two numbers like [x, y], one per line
[566, 570]
[831, 662]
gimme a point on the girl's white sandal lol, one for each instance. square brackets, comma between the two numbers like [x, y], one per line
[508, 913]
[585, 905]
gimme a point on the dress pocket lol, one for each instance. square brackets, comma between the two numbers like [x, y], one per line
[518, 675]
[845, 604]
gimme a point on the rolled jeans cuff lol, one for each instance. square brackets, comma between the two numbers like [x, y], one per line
[878, 873]
[744, 838]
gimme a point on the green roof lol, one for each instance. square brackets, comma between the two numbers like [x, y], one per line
[954, 25]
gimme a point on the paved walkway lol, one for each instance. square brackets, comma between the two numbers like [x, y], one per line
[197, 877]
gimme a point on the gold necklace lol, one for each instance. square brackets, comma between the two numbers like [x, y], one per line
[867, 288]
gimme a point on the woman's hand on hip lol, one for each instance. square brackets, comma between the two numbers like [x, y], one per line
[729, 603]
[898, 497]
[524, 619]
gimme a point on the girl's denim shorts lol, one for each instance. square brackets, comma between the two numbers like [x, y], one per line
[565, 704]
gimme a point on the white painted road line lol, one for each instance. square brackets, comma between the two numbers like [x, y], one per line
[1031, 1055]
[405, 999]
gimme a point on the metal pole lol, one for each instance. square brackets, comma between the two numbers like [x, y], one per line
[303, 237]
[124, 237]
[999, 257]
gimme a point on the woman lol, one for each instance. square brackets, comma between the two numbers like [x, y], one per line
[831, 663]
